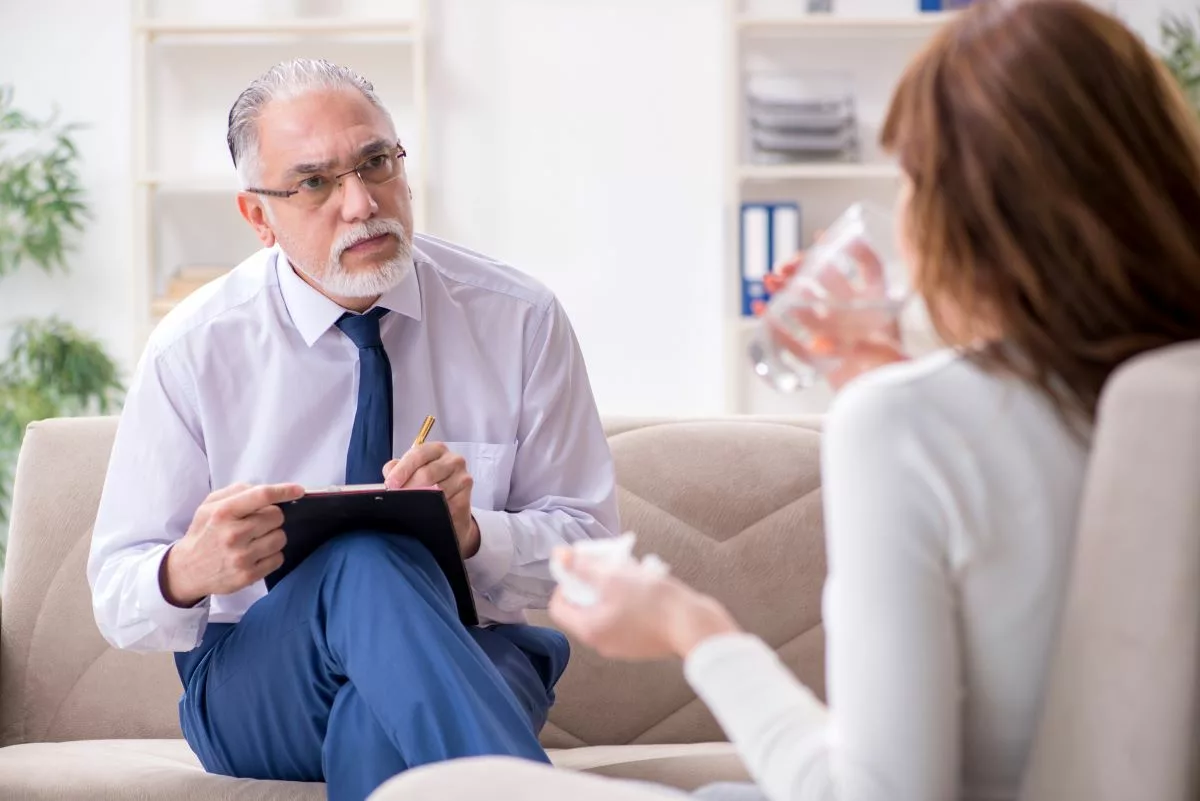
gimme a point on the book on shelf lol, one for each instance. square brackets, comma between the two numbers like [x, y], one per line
[769, 233]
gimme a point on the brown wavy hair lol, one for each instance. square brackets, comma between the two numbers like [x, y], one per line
[1054, 169]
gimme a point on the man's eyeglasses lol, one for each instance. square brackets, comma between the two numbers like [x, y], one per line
[316, 189]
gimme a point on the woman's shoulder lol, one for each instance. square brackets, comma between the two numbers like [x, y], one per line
[931, 381]
[945, 398]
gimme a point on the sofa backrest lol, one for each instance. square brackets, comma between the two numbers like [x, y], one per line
[1120, 718]
[732, 505]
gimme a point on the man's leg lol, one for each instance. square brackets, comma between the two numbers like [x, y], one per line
[357, 755]
[367, 610]
[531, 659]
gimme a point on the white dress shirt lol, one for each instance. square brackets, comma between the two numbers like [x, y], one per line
[951, 497]
[249, 380]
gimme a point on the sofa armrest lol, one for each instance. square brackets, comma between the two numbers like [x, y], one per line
[506, 777]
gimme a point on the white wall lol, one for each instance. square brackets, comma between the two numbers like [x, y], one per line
[76, 55]
[581, 140]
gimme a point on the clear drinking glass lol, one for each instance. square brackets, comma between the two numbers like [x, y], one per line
[850, 289]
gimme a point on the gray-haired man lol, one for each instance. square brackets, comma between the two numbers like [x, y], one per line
[313, 363]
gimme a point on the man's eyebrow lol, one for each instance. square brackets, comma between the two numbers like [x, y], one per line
[372, 148]
[310, 168]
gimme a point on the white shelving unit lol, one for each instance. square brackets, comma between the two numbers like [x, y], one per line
[872, 51]
[829, 24]
[191, 58]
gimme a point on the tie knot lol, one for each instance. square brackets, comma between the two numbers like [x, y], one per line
[363, 329]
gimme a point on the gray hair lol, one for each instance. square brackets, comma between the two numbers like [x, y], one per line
[285, 80]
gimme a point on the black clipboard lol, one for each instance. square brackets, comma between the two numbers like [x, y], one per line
[311, 520]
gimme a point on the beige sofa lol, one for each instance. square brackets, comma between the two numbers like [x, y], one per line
[733, 505]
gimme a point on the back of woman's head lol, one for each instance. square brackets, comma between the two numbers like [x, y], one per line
[1055, 192]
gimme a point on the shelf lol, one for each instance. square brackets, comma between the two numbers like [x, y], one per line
[182, 284]
[321, 26]
[160, 306]
[190, 184]
[827, 172]
[832, 25]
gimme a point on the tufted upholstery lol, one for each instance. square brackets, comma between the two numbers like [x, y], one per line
[732, 505]
[734, 508]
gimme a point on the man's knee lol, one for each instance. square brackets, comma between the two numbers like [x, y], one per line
[361, 561]
[372, 552]
[371, 546]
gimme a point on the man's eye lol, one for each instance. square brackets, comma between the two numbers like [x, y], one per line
[313, 183]
[375, 162]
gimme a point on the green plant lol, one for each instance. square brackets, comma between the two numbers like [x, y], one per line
[52, 369]
[40, 193]
[1181, 53]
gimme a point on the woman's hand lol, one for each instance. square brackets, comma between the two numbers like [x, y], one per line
[638, 615]
[857, 354]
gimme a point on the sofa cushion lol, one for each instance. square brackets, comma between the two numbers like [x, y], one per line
[733, 505]
[505, 777]
[123, 770]
[686, 766]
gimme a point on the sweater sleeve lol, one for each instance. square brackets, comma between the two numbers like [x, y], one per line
[891, 732]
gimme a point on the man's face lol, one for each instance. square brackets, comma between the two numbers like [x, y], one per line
[353, 242]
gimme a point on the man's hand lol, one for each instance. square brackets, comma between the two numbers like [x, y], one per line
[433, 465]
[235, 539]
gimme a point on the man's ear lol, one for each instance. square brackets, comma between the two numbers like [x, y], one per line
[252, 209]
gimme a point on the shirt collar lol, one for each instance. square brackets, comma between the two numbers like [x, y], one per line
[313, 314]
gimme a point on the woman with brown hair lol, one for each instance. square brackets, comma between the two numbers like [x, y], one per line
[1051, 223]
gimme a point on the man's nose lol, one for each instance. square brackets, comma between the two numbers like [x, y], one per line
[357, 202]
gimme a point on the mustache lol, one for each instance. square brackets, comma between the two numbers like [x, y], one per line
[368, 230]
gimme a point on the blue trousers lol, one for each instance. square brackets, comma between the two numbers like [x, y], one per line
[356, 667]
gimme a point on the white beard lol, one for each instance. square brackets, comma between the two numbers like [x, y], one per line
[335, 280]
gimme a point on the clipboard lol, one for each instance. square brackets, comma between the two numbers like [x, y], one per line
[317, 516]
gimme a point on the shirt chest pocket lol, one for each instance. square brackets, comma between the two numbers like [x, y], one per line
[490, 465]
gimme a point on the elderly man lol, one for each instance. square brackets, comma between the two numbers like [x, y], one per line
[313, 363]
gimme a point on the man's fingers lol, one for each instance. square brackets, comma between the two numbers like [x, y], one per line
[399, 472]
[426, 473]
[226, 491]
[267, 545]
[254, 499]
[265, 519]
[268, 565]
[456, 484]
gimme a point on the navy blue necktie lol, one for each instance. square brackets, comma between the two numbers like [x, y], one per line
[371, 439]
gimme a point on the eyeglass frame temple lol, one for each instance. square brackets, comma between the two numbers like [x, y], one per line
[286, 193]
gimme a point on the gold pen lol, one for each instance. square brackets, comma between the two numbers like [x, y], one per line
[424, 432]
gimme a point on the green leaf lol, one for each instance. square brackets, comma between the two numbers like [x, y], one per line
[1181, 53]
[52, 369]
[41, 199]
